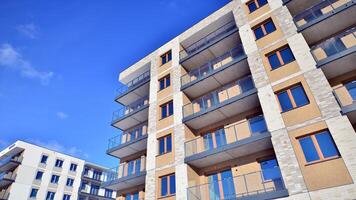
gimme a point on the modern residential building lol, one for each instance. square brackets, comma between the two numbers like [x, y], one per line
[28, 171]
[256, 101]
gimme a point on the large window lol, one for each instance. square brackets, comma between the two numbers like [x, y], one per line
[44, 159]
[280, 57]
[33, 193]
[54, 179]
[264, 29]
[50, 195]
[257, 124]
[166, 109]
[293, 97]
[164, 82]
[59, 163]
[319, 146]
[39, 175]
[168, 185]
[165, 144]
[255, 4]
[73, 167]
[165, 58]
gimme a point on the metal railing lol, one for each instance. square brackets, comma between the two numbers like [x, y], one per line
[11, 158]
[206, 40]
[141, 78]
[128, 136]
[343, 95]
[130, 168]
[318, 10]
[217, 97]
[8, 176]
[213, 65]
[218, 139]
[334, 45]
[125, 110]
[239, 186]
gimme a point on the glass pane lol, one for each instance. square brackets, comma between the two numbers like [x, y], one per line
[170, 108]
[258, 33]
[130, 168]
[270, 170]
[287, 55]
[138, 166]
[164, 186]
[135, 196]
[169, 143]
[309, 150]
[246, 84]
[269, 26]
[164, 111]
[284, 101]
[161, 146]
[299, 96]
[128, 197]
[262, 2]
[172, 184]
[228, 184]
[220, 138]
[326, 144]
[257, 124]
[168, 81]
[351, 87]
[214, 191]
[169, 55]
[161, 84]
[252, 6]
[273, 61]
[208, 141]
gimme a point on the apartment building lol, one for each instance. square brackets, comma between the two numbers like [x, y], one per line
[30, 172]
[256, 101]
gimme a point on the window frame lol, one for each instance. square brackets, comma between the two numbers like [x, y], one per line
[168, 176]
[35, 190]
[108, 193]
[71, 181]
[165, 84]
[66, 196]
[45, 158]
[56, 180]
[59, 161]
[262, 26]
[75, 166]
[256, 3]
[291, 97]
[50, 197]
[167, 56]
[317, 147]
[165, 144]
[279, 57]
[166, 105]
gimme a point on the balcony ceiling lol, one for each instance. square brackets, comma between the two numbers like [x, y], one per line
[129, 148]
[339, 64]
[133, 119]
[126, 182]
[137, 92]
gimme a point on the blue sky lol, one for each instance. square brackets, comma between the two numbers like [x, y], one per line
[60, 60]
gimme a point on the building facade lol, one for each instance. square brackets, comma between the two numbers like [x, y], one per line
[28, 171]
[256, 101]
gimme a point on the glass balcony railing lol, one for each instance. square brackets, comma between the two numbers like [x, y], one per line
[131, 168]
[323, 8]
[334, 45]
[218, 96]
[225, 136]
[4, 194]
[10, 158]
[7, 175]
[140, 79]
[128, 136]
[346, 94]
[240, 186]
[213, 65]
[212, 37]
[130, 108]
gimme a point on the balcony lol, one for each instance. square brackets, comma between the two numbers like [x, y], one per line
[298, 6]
[127, 175]
[325, 19]
[346, 97]
[7, 178]
[221, 104]
[208, 43]
[4, 195]
[129, 142]
[85, 194]
[135, 89]
[242, 187]
[131, 115]
[215, 73]
[335, 52]
[9, 163]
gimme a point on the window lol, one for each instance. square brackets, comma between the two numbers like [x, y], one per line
[54, 179]
[94, 189]
[44, 159]
[165, 144]
[66, 197]
[270, 170]
[166, 109]
[257, 124]
[132, 196]
[264, 29]
[33, 193]
[168, 185]
[280, 57]
[73, 167]
[293, 97]
[70, 182]
[39, 175]
[319, 146]
[351, 87]
[86, 171]
[59, 163]
[164, 82]
[97, 175]
[166, 57]
[108, 193]
[255, 4]
[50, 195]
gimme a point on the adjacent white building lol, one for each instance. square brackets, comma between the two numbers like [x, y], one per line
[28, 171]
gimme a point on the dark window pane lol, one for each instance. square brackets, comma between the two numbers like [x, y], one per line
[164, 185]
[262, 2]
[44, 159]
[161, 84]
[258, 33]
[128, 197]
[138, 166]
[164, 111]
[270, 170]
[131, 167]
[326, 144]
[172, 184]
[228, 185]
[252, 6]
[208, 141]
[169, 55]
[299, 96]
[161, 146]
[220, 138]
[273, 61]
[309, 150]
[257, 124]
[269, 26]
[246, 84]
[287, 55]
[214, 190]
[170, 108]
[284, 101]
[169, 143]
[168, 81]
[33, 193]
[135, 196]
[164, 60]
[351, 87]
[39, 175]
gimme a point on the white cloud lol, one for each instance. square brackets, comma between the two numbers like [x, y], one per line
[12, 59]
[62, 115]
[29, 30]
[56, 146]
